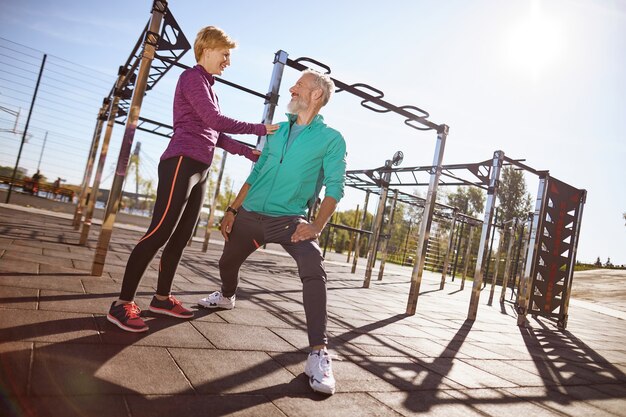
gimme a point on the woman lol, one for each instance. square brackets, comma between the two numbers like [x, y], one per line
[199, 127]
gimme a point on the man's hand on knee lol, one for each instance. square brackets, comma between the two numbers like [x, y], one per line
[305, 231]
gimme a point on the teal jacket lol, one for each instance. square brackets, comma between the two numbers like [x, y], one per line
[287, 182]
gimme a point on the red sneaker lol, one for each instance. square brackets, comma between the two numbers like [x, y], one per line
[126, 317]
[171, 307]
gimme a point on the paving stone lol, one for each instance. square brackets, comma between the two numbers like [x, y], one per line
[468, 376]
[498, 403]
[560, 402]
[239, 337]
[234, 405]
[220, 371]
[71, 406]
[338, 405]
[81, 369]
[249, 361]
[14, 367]
[426, 403]
[47, 326]
[18, 298]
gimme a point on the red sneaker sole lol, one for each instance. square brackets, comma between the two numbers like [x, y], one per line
[169, 313]
[123, 327]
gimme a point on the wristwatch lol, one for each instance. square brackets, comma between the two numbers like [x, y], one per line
[232, 210]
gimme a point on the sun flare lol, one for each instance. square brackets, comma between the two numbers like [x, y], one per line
[535, 43]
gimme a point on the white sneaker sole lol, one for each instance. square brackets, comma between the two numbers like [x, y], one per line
[206, 304]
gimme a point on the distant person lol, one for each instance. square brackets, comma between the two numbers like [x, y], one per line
[271, 206]
[56, 187]
[37, 176]
[199, 127]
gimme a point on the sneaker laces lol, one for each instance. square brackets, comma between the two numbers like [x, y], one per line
[132, 310]
[174, 300]
[325, 363]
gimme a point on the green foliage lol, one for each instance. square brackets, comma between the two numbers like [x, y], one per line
[515, 201]
[469, 200]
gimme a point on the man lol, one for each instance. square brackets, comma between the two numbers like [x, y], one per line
[297, 160]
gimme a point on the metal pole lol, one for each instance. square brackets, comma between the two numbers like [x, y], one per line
[354, 234]
[218, 183]
[95, 143]
[496, 267]
[406, 242]
[524, 261]
[376, 226]
[280, 60]
[91, 204]
[468, 255]
[158, 10]
[493, 235]
[562, 324]
[507, 266]
[357, 242]
[457, 248]
[383, 260]
[45, 138]
[523, 297]
[446, 260]
[498, 157]
[30, 112]
[427, 219]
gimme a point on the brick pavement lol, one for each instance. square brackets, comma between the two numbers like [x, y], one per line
[60, 357]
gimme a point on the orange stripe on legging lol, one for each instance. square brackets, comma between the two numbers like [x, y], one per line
[180, 160]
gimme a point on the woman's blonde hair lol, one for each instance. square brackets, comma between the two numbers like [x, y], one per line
[211, 37]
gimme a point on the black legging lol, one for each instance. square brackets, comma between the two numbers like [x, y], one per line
[179, 198]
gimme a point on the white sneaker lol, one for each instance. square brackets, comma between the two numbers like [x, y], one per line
[217, 300]
[320, 372]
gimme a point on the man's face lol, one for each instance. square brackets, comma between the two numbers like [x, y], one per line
[301, 94]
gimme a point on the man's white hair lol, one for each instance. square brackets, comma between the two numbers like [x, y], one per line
[324, 82]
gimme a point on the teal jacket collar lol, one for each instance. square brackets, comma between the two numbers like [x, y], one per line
[293, 117]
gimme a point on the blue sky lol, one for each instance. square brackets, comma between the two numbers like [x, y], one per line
[543, 81]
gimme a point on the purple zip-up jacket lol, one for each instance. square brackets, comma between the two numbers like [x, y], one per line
[198, 124]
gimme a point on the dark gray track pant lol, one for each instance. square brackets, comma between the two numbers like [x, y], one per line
[251, 230]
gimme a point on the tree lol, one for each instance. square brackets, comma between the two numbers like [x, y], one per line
[515, 201]
[624, 215]
[469, 200]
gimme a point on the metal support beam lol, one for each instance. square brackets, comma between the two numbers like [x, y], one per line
[357, 242]
[376, 227]
[93, 150]
[150, 42]
[280, 60]
[494, 181]
[446, 261]
[218, 183]
[383, 260]
[468, 255]
[507, 266]
[427, 219]
[526, 280]
[91, 204]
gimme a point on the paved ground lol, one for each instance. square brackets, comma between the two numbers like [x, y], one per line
[60, 357]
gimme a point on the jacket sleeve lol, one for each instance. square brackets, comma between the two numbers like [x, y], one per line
[230, 145]
[334, 165]
[198, 92]
[259, 164]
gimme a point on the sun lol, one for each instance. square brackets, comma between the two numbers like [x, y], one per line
[535, 42]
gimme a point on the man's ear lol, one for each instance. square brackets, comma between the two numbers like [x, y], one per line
[318, 93]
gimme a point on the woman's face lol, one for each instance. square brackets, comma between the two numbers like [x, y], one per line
[215, 61]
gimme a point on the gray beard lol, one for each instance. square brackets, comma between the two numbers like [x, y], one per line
[296, 106]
